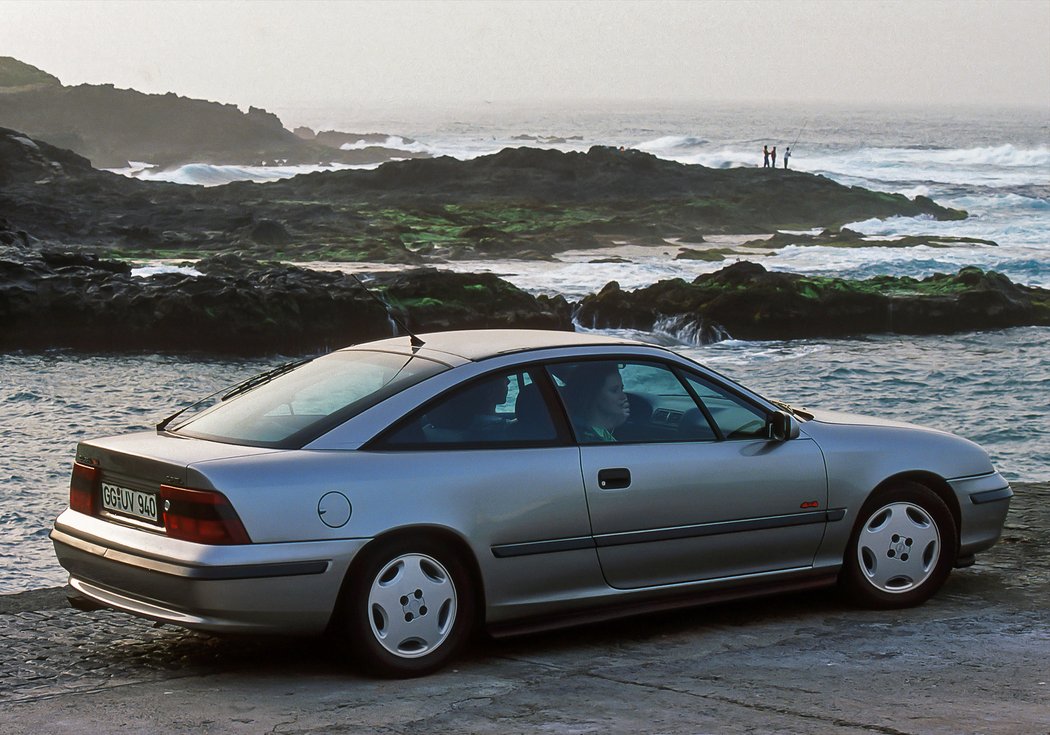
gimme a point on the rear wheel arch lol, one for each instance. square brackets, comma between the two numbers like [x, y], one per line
[456, 544]
[409, 602]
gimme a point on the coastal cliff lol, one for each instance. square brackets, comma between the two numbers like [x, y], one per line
[113, 127]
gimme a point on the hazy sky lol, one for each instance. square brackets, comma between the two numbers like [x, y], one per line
[389, 54]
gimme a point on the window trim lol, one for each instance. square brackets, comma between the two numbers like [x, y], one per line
[735, 393]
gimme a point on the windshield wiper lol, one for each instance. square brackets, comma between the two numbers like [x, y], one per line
[257, 380]
[243, 387]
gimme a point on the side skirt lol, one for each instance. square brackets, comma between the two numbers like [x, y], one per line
[813, 579]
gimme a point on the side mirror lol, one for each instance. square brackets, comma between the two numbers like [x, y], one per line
[782, 426]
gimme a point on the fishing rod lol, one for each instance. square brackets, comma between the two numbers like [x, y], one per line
[804, 124]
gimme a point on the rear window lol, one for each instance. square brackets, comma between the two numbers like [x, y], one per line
[299, 406]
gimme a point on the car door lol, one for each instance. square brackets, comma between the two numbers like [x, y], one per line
[692, 489]
[490, 461]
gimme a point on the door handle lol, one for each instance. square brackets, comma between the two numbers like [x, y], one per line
[614, 478]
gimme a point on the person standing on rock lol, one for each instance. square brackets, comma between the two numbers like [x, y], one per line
[765, 156]
[787, 155]
[773, 156]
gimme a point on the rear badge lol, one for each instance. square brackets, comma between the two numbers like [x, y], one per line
[334, 510]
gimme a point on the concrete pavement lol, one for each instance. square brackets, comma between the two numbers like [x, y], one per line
[975, 659]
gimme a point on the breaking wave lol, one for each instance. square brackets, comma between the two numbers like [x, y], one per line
[206, 174]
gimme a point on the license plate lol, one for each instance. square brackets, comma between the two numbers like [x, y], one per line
[129, 502]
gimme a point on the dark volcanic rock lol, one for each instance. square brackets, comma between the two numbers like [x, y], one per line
[752, 303]
[436, 300]
[604, 173]
[24, 160]
[846, 238]
[238, 306]
[268, 232]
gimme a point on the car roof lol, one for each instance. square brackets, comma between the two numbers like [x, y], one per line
[478, 344]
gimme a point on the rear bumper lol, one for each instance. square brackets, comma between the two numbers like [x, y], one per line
[279, 588]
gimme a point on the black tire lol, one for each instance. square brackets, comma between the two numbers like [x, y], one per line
[902, 548]
[407, 609]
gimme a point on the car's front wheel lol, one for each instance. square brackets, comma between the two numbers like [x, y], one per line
[409, 608]
[902, 550]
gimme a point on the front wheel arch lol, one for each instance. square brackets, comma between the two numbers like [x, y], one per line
[868, 573]
[934, 483]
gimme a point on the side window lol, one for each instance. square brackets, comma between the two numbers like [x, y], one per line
[736, 418]
[611, 401]
[501, 409]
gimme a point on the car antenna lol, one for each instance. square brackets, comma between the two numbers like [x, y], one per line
[414, 339]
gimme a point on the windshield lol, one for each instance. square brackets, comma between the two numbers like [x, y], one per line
[295, 408]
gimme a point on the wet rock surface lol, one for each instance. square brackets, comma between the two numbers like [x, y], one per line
[752, 303]
[54, 298]
[234, 305]
[973, 659]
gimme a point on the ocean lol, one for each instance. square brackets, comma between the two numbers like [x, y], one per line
[991, 387]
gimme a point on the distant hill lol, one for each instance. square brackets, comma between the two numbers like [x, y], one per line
[16, 75]
[112, 127]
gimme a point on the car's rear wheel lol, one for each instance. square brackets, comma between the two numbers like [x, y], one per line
[409, 608]
[902, 549]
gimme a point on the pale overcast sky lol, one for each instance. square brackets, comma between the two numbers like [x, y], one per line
[388, 54]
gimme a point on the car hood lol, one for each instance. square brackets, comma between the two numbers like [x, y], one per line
[852, 419]
[851, 443]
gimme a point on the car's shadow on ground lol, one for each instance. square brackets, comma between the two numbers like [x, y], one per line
[142, 647]
[174, 649]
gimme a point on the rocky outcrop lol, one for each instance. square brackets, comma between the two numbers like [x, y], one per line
[519, 203]
[434, 300]
[748, 302]
[52, 298]
[847, 238]
[24, 160]
[727, 198]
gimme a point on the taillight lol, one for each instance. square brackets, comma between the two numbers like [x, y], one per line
[82, 488]
[201, 516]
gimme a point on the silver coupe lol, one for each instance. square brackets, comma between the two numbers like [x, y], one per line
[405, 493]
